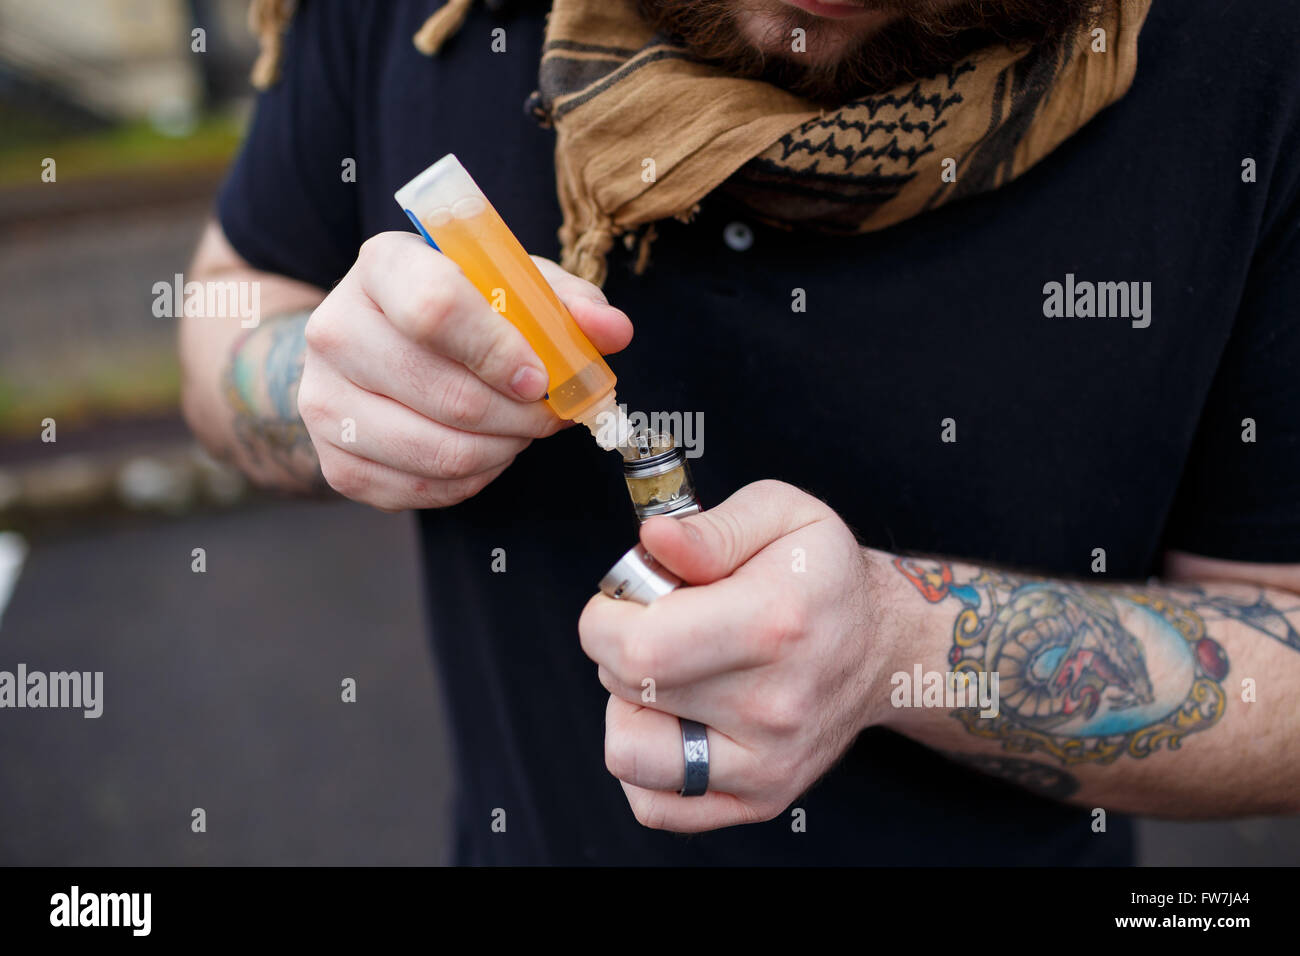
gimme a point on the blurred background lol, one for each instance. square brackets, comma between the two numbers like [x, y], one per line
[222, 689]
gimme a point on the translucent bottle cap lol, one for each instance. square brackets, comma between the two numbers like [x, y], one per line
[442, 192]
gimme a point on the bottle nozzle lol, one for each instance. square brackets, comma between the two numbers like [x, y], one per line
[608, 424]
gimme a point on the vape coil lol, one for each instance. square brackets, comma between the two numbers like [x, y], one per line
[658, 478]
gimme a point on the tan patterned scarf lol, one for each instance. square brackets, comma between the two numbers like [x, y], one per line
[622, 98]
[644, 131]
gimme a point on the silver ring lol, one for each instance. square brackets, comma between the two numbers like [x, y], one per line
[695, 746]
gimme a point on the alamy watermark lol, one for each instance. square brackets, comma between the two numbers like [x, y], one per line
[947, 690]
[1098, 300]
[78, 690]
[687, 428]
[208, 300]
[75, 908]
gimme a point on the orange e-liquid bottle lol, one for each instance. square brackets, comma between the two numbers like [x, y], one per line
[455, 217]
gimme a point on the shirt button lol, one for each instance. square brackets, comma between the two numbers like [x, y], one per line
[738, 236]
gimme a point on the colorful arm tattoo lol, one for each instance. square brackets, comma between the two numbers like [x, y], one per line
[261, 387]
[1087, 674]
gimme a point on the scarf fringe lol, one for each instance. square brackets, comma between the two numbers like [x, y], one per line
[586, 255]
[268, 19]
[440, 27]
[643, 249]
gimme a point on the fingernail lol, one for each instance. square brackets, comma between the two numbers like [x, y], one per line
[529, 383]
[600, 300]
[614, 310]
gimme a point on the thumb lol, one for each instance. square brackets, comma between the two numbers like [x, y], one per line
[711, 545]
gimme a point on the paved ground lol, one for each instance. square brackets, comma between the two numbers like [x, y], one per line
[222, 691]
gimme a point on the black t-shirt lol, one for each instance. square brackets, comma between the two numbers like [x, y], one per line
[1072, 433]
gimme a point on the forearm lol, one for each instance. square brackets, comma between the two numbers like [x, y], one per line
[1173, 700]
[253, 419]
[241, 377]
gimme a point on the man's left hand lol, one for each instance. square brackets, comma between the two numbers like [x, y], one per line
[776, 647]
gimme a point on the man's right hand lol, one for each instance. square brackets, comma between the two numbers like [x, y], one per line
[444, 391]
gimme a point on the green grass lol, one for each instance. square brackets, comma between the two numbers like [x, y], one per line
[124, 385]
[128, 149]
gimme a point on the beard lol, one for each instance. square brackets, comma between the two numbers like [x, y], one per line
[842, 61]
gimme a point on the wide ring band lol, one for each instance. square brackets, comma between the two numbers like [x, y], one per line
[695, 747]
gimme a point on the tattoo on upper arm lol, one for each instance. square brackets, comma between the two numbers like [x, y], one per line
[261, 387]
[1084, 674]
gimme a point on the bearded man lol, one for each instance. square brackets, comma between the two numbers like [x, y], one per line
[989, 308]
